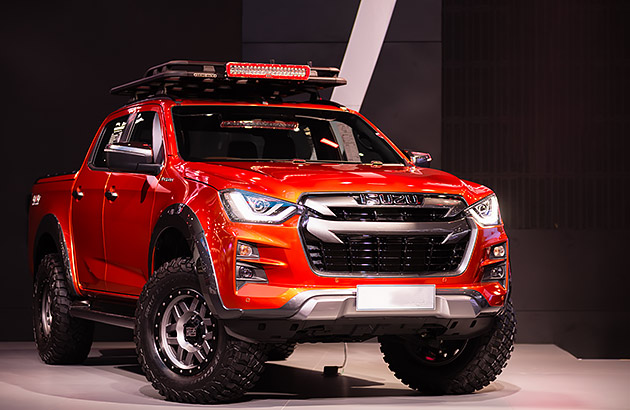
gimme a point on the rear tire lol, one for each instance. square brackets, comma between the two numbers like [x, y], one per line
[60, 338]
[183, 349]
[445, 366]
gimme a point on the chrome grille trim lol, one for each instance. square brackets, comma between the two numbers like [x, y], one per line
[327, 231]
[322, 203]
[324, 226]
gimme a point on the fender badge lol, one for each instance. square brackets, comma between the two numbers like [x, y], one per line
[35, 199]
[167, 179]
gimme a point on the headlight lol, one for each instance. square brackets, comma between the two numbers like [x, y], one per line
[243, 206]
[486, 212]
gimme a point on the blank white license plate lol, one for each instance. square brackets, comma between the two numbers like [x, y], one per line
[395, 297]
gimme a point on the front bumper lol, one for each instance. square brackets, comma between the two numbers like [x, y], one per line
[302, 305]
[331, 315]
[334, 304]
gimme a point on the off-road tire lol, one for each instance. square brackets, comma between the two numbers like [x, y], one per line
[230, 371]
[480, 362]
[279, 351]
[63, 339]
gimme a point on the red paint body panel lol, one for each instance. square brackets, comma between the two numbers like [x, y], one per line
[108, 240]
[55, 199]
[127, 223]
[87, 229]
[289, 181]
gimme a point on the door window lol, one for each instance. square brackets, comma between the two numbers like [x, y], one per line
[112, 132]
[146, 130]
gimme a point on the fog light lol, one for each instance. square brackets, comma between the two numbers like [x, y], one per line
[246, 250]
[497, 272]
[249, 273]
[245, 272]
[494, 273]
[498, 251]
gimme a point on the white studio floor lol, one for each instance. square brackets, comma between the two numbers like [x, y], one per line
[537, 377]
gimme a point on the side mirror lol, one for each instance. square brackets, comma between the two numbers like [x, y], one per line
[419, 159]
[131, 157]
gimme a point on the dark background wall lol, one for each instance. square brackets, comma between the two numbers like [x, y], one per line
[536, 106]
[58, 62]
[405, 94]
[527, 97]
[297, 32]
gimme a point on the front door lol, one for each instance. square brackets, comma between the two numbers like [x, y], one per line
[128, 212]
[87, 210]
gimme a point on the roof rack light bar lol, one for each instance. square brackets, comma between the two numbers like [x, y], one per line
[204, 79]
[277, 71]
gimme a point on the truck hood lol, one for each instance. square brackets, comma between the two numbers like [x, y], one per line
[288, 181]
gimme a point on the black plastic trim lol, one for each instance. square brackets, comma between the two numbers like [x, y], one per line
[477, 296]
[82, 311]
[207, 79]
[279, 330]
[183, 218]
[50, 225]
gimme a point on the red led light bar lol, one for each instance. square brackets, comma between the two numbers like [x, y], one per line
[275, 71]
[265, 124]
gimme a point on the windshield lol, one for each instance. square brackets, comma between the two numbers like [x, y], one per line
[216, 133]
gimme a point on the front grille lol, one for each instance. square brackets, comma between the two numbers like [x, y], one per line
[385, 234]
[389, 214]
[385, 254]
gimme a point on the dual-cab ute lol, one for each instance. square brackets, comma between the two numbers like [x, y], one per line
[226, 224]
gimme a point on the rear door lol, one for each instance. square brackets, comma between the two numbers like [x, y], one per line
[128, 211]
[87, 209]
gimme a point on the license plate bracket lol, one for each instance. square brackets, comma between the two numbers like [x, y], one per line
[395, 297]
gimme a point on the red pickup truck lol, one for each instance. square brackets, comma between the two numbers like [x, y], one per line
[225, 224]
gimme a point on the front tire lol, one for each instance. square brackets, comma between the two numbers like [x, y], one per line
[280, 351]
[60, 338]
[183, 349]
[445, 366]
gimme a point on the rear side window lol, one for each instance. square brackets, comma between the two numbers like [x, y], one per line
[112, 132]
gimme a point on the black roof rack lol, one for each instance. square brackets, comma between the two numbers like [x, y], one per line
[205, 79]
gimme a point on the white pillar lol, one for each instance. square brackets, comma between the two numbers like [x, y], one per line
[364, 47]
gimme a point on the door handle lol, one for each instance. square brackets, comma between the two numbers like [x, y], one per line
[77, 194]
[111, 195]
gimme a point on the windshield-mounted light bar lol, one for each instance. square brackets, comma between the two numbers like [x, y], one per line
[275, 71]
[264, 124]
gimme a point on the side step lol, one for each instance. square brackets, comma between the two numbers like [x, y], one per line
[84, 311]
